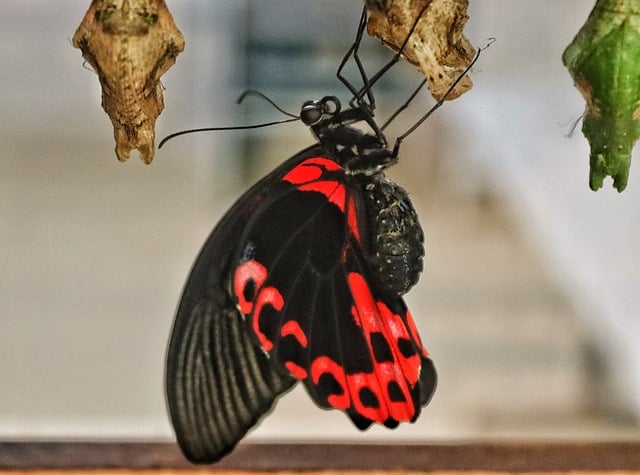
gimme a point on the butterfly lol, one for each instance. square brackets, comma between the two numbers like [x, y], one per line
[302, 281]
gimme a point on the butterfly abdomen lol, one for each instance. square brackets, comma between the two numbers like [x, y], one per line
[396, 235]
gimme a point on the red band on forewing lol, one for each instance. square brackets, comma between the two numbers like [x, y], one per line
[308, 175]
[309, 170]
[333, 190]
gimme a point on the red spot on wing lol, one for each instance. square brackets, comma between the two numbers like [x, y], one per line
[248, 272]
[296, 370]
[370, 381]
[253, 273]
[293, 328]
[325, 365]
[253, 303]
[400, 373]
[267, 296]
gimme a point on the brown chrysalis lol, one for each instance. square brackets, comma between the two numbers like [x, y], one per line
[130, 44]
[437, 46]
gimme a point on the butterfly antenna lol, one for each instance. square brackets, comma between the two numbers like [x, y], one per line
[441, 100]
[354, 52]
[234, 127]
[248, 92]
[252, 92]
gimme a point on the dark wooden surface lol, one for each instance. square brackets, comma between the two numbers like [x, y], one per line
[512, 457]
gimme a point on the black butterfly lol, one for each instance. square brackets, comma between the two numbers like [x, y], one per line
[302, 280]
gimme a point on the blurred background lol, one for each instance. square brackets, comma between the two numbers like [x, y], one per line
[530, 299]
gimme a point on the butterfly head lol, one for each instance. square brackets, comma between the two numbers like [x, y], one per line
[313, 113]
[358, 151]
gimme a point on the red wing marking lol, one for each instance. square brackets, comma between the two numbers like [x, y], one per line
[385, 392]
[397, 372]
[267, 296]
[296, 370]
[333, 190]
[249, 272]
[352, 218]
[308, 176]
[310, 169]
[253, 298]
[396, 331]
[325, 365]
[293, 328]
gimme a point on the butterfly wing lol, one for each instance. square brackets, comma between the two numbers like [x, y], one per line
[313, 304]
[289, 256]
[218, 383]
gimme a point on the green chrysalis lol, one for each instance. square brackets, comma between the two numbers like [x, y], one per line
[604, 61]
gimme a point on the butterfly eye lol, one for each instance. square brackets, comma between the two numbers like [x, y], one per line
[330, 105]
[311, 112]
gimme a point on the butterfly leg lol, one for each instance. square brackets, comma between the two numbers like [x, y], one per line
[400, 138]
[404, 105]
[396, 57]
[353, 52]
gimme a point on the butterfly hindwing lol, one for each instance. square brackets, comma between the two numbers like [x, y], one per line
[312, 302]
